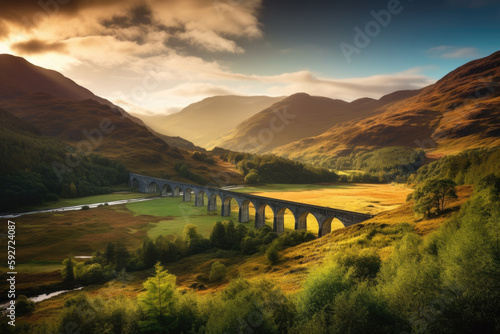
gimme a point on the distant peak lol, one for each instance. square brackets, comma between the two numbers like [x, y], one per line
[299, 95]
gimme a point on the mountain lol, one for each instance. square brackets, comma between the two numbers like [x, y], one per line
[204, 121]
[19, 77]
[462, 110]
[31, 167]
[61, 109]
[299, 116]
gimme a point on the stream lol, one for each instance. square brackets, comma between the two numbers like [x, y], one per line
[77, 207]
[41, 297]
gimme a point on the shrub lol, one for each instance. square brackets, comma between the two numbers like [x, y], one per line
[272, 253]
[85, 207]
[24, 306]
[217, 272]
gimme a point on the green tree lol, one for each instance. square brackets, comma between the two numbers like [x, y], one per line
[252, 177]
[159, 302]
[68, 272]
[109, 253]
[193, 240]
[122, 256]
[218, 236]
[434, 194]
[231, 237]
[73, 192]
[149, 254]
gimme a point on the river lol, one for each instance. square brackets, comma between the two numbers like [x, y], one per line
[41, 297]
[77, 207]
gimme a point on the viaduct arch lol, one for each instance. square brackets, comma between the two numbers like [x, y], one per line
[300, 211]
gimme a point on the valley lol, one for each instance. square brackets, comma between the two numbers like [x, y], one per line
[236, 174]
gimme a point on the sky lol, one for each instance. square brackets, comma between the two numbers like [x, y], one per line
[158, 56]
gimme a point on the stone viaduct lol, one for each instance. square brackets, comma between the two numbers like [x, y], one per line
[324, 215]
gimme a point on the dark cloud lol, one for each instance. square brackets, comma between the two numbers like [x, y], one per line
[28, 14]
[138, 15]
[36, 46]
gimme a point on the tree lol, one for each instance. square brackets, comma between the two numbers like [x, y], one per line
[73, 192]
[68, 272]
[231, 237]
[160, 300]
[121, 256]
[193, 240]
[434, 194]
[218, 236]
[272, 253]
[252, 177]
[109, 253]
[149, 254]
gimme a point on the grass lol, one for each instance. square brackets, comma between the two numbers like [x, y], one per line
[180, 214]
[34, 267]
[365, 198]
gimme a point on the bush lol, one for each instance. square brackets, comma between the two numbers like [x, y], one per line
[24, 306]
[217, 272]
[203, 157]
[362, 264]
[272, 253]
[85, 207]
[252, 177]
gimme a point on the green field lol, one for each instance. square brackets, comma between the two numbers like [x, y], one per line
[38, 266]
[178, 214]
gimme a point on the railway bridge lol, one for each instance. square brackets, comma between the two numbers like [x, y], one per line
[300, 211]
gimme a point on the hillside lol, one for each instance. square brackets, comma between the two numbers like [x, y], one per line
[299, 116]
[61, 109]
[204, 121]
[19, 77]
[32, 172]
[462, 110]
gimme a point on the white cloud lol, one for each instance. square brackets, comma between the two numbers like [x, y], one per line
[210, 41]
[445, 51]
[199, 90]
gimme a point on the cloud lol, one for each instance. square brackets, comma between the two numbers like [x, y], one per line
[36, 46]
[450, 52]
[210, 41]
[199, 89]
[348, 88]
[198, 23]
[138, 15]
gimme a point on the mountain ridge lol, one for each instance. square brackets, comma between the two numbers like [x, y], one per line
[461, 110]
[203, 121]
[307, 116]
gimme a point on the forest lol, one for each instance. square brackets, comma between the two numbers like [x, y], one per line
[270, 168]
[37, 168]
